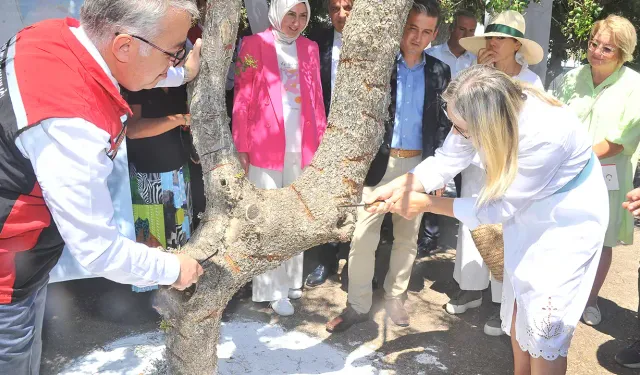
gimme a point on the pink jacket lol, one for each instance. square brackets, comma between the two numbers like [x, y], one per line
[258, 121]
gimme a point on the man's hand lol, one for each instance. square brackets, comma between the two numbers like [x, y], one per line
[192, 62]
[633, 202]
[190, 272]
[486, 57]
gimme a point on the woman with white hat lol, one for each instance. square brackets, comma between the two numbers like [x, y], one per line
[504, 47]
[544, 184]
[278, 122]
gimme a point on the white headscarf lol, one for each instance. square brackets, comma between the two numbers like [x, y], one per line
[278, 10]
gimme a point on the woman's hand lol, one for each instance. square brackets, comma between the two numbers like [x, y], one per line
[381, 194]
[192, 62]
[410, 204]
[385, 193]
[244, 161]
[187, 120]
[486, 57]
[633, 202]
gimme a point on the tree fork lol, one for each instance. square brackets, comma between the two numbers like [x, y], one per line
[251, 230]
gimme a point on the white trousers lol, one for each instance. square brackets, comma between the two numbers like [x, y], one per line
[275, 284]
[470, 271]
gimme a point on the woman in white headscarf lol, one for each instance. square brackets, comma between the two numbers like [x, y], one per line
[278, 122]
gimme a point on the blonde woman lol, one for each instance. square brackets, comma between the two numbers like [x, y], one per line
[540, 172]
[605, 96]
[504, 47]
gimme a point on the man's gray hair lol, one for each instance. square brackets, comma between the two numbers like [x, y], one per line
[101, 19]
[463, 13]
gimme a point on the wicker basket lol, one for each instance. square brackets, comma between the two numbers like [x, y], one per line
[490, 244]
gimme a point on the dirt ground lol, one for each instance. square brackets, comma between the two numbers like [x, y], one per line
[86, 314]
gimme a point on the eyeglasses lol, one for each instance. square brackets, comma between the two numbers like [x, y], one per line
[604, 50]
[460, 131]
[176, 58]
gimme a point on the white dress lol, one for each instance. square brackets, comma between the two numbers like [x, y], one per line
[470, 271]
[552, 239]
[275, 284]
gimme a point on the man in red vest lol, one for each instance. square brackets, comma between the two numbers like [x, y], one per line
[62, 121]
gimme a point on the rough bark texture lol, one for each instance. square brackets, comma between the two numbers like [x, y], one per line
[252, 230]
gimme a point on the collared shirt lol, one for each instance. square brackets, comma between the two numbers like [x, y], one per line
[456, 64]
[407, 128]
[335, 56]
[69, 159]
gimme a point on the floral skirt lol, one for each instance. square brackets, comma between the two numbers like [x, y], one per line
[162, 208]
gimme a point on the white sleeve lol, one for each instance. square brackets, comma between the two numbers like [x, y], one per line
[536, 169]
[71, 165]
[454, 156]
[175, 78]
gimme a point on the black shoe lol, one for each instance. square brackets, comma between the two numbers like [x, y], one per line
[318, 276]
[629, 357]
[345, 320]
[426, 246]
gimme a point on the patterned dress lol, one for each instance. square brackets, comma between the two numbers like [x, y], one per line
[160, 172]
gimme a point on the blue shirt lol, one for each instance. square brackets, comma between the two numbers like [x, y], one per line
[407, 128]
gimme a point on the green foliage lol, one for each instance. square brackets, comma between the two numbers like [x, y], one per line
[498, 6]
[580, 16]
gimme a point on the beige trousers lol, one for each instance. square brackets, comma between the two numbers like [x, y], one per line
[365, 241]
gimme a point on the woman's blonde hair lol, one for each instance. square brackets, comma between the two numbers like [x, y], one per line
[623, 34]
[490, 102]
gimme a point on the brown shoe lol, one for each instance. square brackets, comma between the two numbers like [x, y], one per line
[345, 320]
[396, 311]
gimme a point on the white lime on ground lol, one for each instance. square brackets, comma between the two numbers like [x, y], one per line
[244, 348]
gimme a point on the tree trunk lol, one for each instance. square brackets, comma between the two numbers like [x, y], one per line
[251, 230]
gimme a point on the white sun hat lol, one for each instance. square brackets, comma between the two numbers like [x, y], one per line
[509, 24]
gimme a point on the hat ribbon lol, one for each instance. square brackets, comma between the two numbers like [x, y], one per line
[498, 28]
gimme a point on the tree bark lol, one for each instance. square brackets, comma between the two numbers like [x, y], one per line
[251, 230]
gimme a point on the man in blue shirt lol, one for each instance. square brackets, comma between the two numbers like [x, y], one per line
[416, 127]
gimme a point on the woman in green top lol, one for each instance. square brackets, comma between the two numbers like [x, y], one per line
[606, 96]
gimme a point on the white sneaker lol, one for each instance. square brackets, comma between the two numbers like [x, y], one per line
[464, 300]
[295, 293]
[282, 307]
[592, 315]
[493, 326]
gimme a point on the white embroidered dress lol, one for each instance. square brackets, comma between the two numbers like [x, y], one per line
[552, 239]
